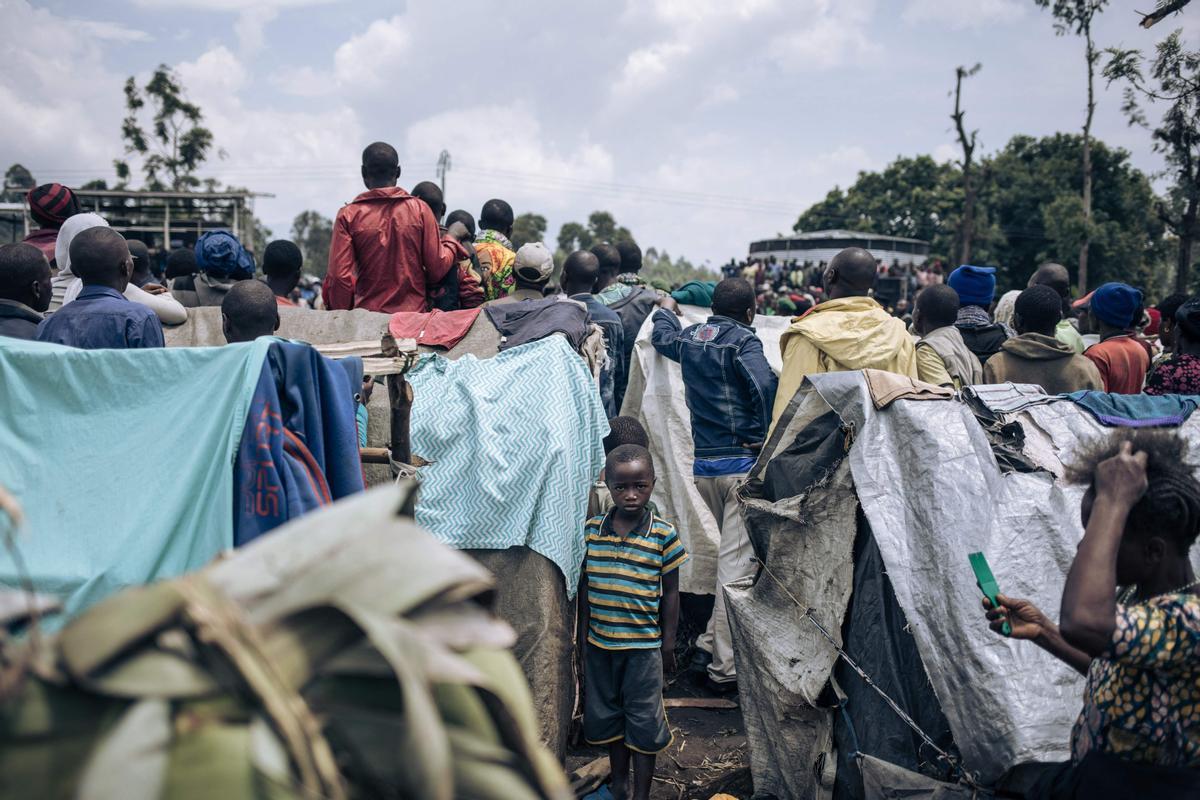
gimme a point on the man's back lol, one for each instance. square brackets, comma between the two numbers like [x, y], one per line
[386, 249]
[102, 318]
[1123, 363]
[1043, 361]
[959, 363]
[729, 386]
[614, 344]
[849, 333]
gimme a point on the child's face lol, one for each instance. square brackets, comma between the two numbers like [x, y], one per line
[630, 484]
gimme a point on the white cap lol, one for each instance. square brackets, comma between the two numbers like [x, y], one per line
[534, 262]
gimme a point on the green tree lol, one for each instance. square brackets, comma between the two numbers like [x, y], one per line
[914, 197]
[1076, 16]
[572, 236]
[528, 228]
[1033, 195]
[658, 268]
[312, 232]
[175, 144]
[1029, 210]
[17, 182]
[1174, 79]
[601, 227]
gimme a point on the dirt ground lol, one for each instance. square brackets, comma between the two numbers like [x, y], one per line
[709, 754]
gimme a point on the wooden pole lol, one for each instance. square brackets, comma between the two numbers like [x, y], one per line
[400, 398]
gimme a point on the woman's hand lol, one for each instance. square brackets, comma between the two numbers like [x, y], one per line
[1122, 478]
[1026, 620]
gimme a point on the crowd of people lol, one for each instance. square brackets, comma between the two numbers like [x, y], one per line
[77, 282]
[790, 287]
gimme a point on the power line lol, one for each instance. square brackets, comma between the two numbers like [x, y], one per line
[521, 179]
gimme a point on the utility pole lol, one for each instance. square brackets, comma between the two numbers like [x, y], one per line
[443, 166]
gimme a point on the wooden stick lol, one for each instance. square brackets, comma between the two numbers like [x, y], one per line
[700, 702]
[374, 455]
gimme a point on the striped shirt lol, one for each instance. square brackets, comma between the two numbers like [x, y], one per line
[624, 580]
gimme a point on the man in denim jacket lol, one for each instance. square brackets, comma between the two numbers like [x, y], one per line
[730, 392]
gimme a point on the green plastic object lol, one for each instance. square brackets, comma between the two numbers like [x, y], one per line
[987, 584]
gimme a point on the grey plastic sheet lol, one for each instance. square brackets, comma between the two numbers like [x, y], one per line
[932, 492]
[783, 662]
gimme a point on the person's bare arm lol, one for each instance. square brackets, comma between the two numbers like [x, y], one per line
[668, 617]
[1089, 605]
[1026, 621]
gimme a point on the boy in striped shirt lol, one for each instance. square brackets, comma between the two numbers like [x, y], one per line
[628, 613]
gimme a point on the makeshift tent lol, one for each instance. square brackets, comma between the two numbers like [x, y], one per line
[862, 514]
[136, 465]
[536, 604]
[656, 397]
[346, 654]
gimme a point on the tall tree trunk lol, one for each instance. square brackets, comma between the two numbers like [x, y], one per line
[966, 228]
[1187, 237]
[1087, 161]
[967, 231]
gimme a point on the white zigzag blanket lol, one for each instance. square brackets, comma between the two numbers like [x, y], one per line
[516, 441]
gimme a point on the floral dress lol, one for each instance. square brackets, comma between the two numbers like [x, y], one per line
[1142, 701]
[1179, 374]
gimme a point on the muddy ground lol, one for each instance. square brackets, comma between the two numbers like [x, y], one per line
[709, 754]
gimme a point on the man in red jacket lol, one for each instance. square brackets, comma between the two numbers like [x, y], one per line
[386, 245]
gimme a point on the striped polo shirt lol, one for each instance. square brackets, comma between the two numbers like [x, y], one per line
[624, 580]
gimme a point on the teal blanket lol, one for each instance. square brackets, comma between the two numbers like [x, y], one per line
[121, 459]
[516, 442]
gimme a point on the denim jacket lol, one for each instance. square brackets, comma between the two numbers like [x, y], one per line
[730, 387]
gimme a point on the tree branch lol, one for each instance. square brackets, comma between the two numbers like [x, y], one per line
[1165, 9]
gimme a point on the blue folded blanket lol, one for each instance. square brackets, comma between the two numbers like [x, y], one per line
[1136, 410]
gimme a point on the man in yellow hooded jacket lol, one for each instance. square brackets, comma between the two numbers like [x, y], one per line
[849, 331]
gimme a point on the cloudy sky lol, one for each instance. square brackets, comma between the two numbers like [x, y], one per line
[701, 124]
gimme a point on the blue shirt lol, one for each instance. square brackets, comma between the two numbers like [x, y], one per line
[102, 318]
[614, 377]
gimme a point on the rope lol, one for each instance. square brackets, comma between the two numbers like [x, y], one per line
[952, 762]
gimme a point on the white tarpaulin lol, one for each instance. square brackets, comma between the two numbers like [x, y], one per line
[656, 397]
[931, 491]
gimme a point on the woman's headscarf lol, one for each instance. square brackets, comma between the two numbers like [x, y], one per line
[61, 283]
[70, 229]
[220, 255]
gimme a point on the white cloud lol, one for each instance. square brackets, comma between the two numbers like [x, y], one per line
[60, 106]
[698, 12]
[371, 59]
[833, 35]
[947, 151]
[252, 15]
[959, 15]
[250, 27]
[301, 155]
[648, 67]
[721, 94]
[304, 82]
[214, 78]
[496, 149]
[366, 62]
[108, 31]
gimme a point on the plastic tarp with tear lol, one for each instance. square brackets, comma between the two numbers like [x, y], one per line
[655, 396]
[931, 492]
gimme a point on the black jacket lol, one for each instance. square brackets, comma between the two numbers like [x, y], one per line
[18, 320]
